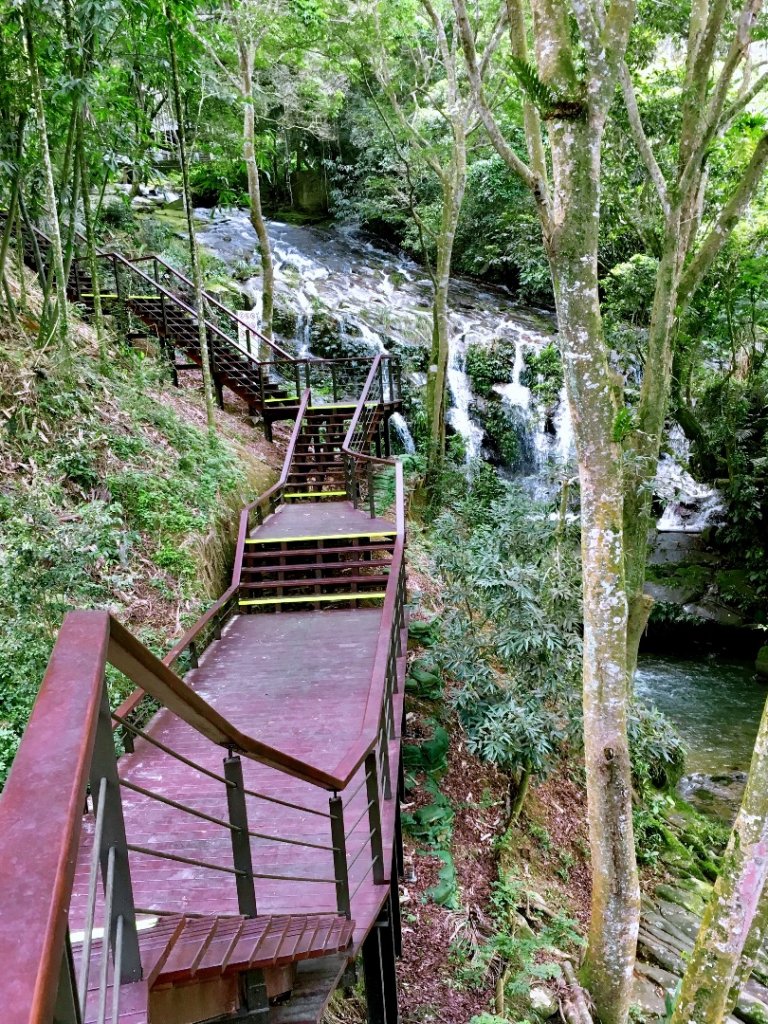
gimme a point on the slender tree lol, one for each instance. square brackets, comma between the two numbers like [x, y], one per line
[440, 78]
[249, 24]
[569, 84]
[194, 253]
[734, 922]
[51, 206]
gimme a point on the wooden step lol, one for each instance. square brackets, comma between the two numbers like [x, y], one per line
[309, 538]
[256, 555]
[324, 581]
[303, 598]
[308, 566]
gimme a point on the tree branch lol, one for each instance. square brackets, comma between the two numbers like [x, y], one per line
[531, 119]
[505, 151]
[726, 221]
[641, 139]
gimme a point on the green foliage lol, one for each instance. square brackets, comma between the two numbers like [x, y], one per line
[628, 290]
[488, 366]
[541, 94]
[543, 374]
[672, 833]
[432, 824]
[528, 957]
[219, 182]
[504, 432]
[657, 751]
[107, 477]
[511, 638]
[623, 425]
[430, 755]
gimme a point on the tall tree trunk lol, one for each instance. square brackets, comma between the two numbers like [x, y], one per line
[197, 272]
[733, 925]
[572, 246]
[453, 186]
[57, 253]
[90, 242]
[254, 194]
[13, 200]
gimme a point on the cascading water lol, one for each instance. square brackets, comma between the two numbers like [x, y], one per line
[343, 295]
[689, 506]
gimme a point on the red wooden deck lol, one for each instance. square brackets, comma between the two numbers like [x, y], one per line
[320, 519]
[299, 681]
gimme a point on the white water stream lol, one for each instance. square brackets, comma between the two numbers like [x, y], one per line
[342, 290]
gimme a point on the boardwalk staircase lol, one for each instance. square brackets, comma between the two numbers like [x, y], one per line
[224, 844]
[153, 298]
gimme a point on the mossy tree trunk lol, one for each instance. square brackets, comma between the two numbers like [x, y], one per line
[570, 217]
[453, 181]
[197, 271]
[56, 266]
[616, 478]
[734, 922]
[572, 247]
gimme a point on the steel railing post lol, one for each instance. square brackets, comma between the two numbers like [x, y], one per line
[374, 817]
[114, 846]
[371, 495]
[66, 1008]
[339, 843]
[241, 841]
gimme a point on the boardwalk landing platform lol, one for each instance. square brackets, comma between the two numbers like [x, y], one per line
[222, 846]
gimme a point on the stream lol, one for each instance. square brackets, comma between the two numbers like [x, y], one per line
[715, 703]
[340, 293]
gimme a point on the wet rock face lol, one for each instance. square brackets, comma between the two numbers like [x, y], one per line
[761, 662]
[717, 795]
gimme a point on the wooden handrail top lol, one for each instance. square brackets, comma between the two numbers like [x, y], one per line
[41, 814]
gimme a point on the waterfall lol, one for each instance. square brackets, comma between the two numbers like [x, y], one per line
[402, 431]
[459, 385]
[689, 506]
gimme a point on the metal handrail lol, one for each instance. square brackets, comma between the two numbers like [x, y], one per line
[218, 305]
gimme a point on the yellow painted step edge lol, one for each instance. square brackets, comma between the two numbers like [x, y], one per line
[324, 536]
[315, 597]
[313, 494]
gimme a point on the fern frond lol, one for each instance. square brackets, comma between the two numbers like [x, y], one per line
[543, 96]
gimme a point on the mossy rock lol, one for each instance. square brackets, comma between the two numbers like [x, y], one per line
[761, 662]
[682, 897]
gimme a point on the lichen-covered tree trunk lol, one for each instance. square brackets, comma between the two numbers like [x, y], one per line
[572, 246]
[733, 924]
[254, 194]
[645, 444]
[453, 195]
[51, 206]
[197, 271]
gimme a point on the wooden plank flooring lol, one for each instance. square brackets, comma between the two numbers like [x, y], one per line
[320, 519]
[299, 681]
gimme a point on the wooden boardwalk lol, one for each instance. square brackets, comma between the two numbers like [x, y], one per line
[223, 844]
[300, 681]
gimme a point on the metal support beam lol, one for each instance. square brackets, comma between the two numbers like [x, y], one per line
[67, 1008]
[104, 766]
[379, 971]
